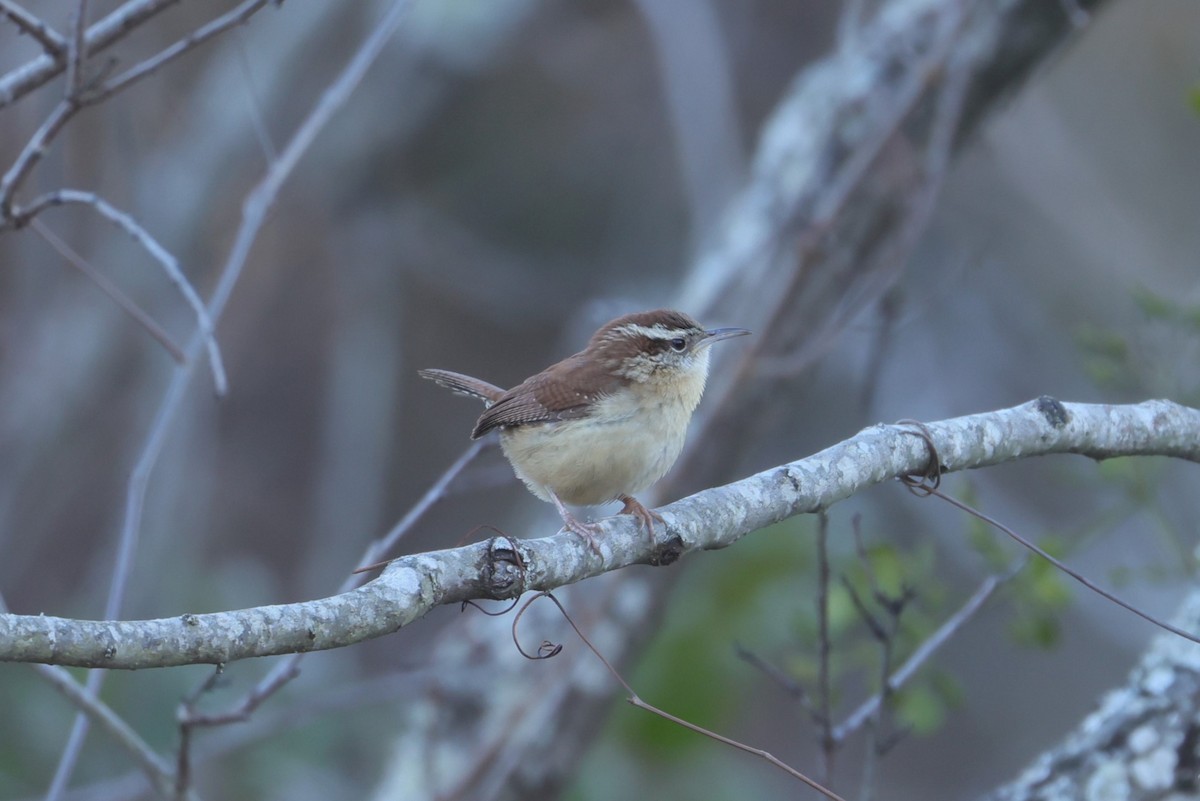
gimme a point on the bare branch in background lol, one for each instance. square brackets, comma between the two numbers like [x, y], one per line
[24, 79]
[29, 157]
[78, 96]
[50, 40]
[109, 288]
[160, 254]
[549, 650]
[697, 79]
[254, 211]
[230, 19]
[152, 766]
[77, 51]
[288, 669]
[824, 700]
[435, 493]
[856, 719]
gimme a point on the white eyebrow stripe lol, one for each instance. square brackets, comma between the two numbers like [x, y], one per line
[657, 332]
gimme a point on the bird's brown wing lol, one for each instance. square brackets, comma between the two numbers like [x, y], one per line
[565, 391]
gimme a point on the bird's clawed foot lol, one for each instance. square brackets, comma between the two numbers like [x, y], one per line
[587, 531]
[645, 517]
[590, 531]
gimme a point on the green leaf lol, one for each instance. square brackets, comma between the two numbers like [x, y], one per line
[1050, 589]
[947, 688]
[843, 614]
[1121, 468]
[889, 568]
[1103, 344]
[1036, 628]
[919, 708]
[1153, 305]
[769, 555]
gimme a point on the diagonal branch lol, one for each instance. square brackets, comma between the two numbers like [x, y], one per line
[100, 35]
[856, 719]
[151, 764]
[50, 40]
[230, 19]
[505, 568]
[127, 305]
[77, 51]
[166, 260]
[77, 96]
[32, 153]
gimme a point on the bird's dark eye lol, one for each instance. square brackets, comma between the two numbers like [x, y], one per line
[679, 344]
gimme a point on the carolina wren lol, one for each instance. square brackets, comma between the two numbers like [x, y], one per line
[605, 423]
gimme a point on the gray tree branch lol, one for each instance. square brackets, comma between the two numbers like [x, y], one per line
[50, 40]
[1140, 743]
[99, 36]
[505, 568]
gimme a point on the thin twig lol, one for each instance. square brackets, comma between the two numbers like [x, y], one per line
[435, 493]
[77, 97]
[154, 768]
[885, 634]
[164, 257]
[288, 669]
[32, 153]
[230, 19]
[36, 72]
[77, 53]
[921, 655]
[548, 650]
[775, 674]
[635, 700]
[257, 118]
[186, 710]
[189, 720]
[1065, 568]
[152, 765]
[254, 699]
[824, 647]
[860, 550]
[51, 40]
[878, 632]
[254, 212]
[106, 286]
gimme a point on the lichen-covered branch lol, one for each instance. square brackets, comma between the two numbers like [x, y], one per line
[1140, 743]
[504, 568]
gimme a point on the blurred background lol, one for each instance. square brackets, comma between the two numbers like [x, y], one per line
[509, 176]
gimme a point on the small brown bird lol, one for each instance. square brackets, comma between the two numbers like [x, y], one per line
[605, 423]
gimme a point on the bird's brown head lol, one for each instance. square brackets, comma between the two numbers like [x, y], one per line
[656, 345]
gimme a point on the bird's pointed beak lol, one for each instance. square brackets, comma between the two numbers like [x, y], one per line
[717, 334]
